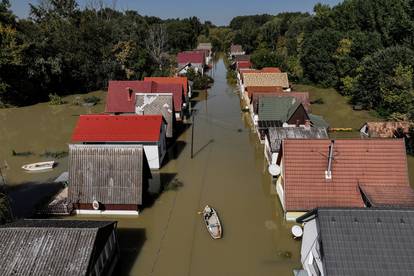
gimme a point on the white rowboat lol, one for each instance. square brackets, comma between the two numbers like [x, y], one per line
[40, 166]
[212, 222]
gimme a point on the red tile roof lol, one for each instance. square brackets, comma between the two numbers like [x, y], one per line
[370, 162]
[110, 128]
[384, 195]
[191, 57]
[120, 100]
[244, 64]
[175, 80]
[263, 89]
[271, 70]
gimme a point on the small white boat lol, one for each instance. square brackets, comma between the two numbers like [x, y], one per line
[212, 222]
[40, 166]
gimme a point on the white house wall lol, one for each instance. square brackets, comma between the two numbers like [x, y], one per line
[152, 153]
[310, 250]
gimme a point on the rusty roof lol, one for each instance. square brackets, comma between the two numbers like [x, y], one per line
[373, 162]
[386, 129]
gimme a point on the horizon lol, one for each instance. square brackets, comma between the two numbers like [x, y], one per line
[205, 11]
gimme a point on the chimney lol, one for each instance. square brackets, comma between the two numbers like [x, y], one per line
[328, 172]
[129, 93]
[307, 124]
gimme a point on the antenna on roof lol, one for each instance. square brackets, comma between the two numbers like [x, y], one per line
[328, 172]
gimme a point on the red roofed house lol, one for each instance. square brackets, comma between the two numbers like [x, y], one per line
[342, 173]
[243, 64]
[191, 59]
[121, 96]
[175, 80]
[147, 130]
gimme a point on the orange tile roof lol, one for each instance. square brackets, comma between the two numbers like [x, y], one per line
[372, 162]
[263, 89]
[174, 80]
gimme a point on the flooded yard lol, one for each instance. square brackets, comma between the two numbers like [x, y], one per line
[228, 171]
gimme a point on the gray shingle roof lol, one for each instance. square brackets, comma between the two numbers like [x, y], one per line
[274, 108]
[110, 174]
[157, 104]
[277, 134]
[49, 247]
[367, 241]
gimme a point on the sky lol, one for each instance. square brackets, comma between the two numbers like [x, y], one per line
[220, 12]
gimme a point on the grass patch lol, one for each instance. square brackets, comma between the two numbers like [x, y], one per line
[335, 108]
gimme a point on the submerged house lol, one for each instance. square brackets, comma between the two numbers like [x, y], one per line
[107, 179]
[279, 111]
[258, 79]
[147, 130]
[58, 247]
[121, 98]
[191, 59]
[385, 129]
[342, 173]
[187, 89]
[346, 241]
[236, 50]
[275, 135]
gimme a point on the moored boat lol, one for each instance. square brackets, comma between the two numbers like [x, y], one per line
[40, 166]
[212, 222]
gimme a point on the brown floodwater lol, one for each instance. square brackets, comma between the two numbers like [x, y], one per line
[228, 171]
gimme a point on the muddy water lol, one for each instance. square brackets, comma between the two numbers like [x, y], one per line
[31, 131]
[228, 171]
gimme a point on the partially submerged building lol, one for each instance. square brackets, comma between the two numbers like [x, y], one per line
[342, 173]
[107, 179]
[121, 98]
[236, 50]
[385, 129]
[147, 130]
[356, 241]
[195, 60]
[58, 247]
[275, 135]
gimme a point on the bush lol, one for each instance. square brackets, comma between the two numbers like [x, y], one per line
[318, 101]
[55, 99]
[92, 99]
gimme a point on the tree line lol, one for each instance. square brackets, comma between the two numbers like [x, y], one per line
[64, 49]
[363, 48]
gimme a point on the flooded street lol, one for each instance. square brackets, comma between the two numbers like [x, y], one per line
[228, 171]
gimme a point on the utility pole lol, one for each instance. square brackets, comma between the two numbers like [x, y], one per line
[192, 134]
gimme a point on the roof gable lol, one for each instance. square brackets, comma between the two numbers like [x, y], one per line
[277, 108]
[110, 128]
[174, 80]
[371, 162]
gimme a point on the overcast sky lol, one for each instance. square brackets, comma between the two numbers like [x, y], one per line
[220, 12]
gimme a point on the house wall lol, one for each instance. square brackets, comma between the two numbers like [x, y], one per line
[107, 209]
[299, 115]
[108, 257]
[292, 216]
[311, 258]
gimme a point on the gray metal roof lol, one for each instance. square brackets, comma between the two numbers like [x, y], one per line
[367, 241]
[157, 104]
[277, 134]
[110, 174]
[50, 247]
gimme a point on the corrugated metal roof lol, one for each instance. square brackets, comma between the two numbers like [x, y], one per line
[376, 162]
[277, 108]
[110, 128]
[110, 174]
[42, 247]
[256, 92]
[367, 241]
[277, 134]
[158, 104]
